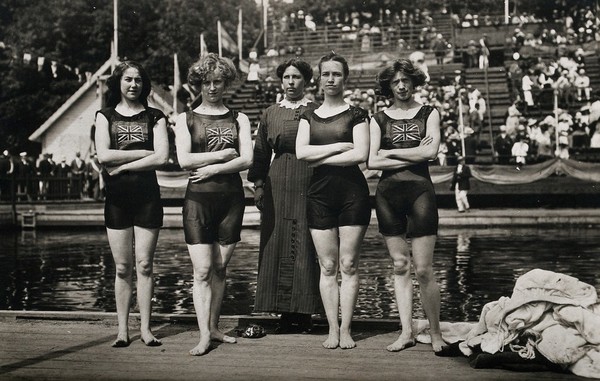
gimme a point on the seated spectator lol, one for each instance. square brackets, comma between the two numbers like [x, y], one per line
[442, 153]
[582, 84]
[512, 119]
[565, 121]
[564, 87]
[579, 138]
[595, 139]
[519, 151]
[544, 143]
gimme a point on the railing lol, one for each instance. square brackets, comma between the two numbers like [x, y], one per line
[45, 188]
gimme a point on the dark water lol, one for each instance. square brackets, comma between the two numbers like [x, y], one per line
[62, 270]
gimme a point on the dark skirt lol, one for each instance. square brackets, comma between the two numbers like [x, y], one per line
[288, 268]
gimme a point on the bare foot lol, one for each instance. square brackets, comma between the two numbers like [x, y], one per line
[346, 341]
[220, 336]
[120, 342]
[403, 342]
[149, 339]
[201, 349]
[437, 342]
[333, 340]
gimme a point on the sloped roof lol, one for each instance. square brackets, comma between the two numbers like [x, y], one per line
[37, 134]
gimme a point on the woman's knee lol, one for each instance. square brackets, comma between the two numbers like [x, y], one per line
[202, 274]
[124, 270]
[424, 274]
[348, 266]
[144, 268]
[328, 267]
[219, 270]
[401, 265]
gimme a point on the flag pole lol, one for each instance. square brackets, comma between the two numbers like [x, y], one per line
[115, 50]
[219, 38]
[239, 34]
[176, 82]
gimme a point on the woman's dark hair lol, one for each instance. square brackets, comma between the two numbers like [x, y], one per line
[303, 67]
[337, 58]
[385, 77]
[208, 64]
[113, 83]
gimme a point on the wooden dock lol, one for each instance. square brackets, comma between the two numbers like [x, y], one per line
[77, 214]
[76, 346]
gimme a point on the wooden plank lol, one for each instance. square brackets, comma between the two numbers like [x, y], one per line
[42, 350]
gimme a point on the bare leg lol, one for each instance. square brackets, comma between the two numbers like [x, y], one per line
[350, 240]
[145, 244]
[201, 256]
[121, 246]
[403, 288]
[423, 248]
[327, 247]
[221, 256]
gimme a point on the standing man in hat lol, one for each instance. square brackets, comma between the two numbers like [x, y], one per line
[6, 170]
[503, 146]
[461, 185]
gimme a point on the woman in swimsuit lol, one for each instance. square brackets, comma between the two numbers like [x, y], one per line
[334, 139]
[215, 144]
[131, 142]
[403, 139]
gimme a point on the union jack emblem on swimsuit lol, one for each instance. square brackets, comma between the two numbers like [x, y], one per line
[128, 133]
[219, 138]
[403, 132]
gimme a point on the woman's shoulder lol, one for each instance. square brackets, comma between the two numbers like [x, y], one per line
[106, 112]
[358, 112]
[308, 113]
[155, 113]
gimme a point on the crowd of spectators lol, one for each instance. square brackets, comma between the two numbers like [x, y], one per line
[28, 179]
[393, 30]
[526, 140]
[535, 80]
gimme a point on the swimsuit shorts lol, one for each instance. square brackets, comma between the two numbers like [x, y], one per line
[340, 199]
[409, 208]
[213, 217]
[123, 214]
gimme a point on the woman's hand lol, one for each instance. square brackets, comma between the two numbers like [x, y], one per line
[114, 170]
[427, 140]
[201, 174]
[229, 154]
[343, 147]
[259, 194]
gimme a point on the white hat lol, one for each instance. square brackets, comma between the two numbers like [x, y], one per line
[23, 154]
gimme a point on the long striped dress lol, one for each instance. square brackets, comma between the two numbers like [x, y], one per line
[288, 269]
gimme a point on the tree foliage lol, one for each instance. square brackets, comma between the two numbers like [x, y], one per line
[78, 33]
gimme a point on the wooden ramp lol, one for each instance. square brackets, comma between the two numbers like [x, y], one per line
[49, 349]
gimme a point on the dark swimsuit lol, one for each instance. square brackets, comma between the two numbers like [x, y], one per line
[213, 209]
[337, 196]
[132, 197]
[405, 198]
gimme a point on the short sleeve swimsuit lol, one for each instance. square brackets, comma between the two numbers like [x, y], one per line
[337, 195]
[132, 197]
[213, 209]
[405, 198]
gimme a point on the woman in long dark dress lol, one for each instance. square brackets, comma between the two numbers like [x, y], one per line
[288, 273]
